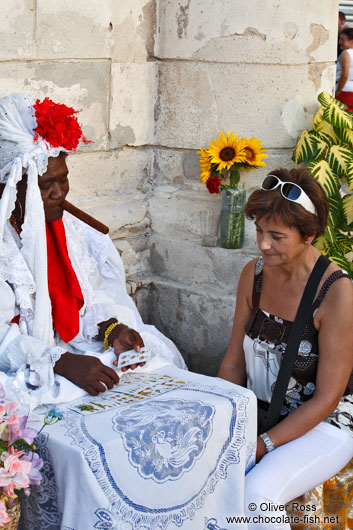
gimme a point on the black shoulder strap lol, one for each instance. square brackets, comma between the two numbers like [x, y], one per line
[294, 339]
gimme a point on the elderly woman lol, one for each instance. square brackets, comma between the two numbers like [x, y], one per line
[344, 71]
[313, 440]
[63, 300]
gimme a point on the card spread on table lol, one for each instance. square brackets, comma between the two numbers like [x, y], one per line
[127, 358]
[133, 388]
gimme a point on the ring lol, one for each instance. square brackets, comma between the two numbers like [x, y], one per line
[105, 386]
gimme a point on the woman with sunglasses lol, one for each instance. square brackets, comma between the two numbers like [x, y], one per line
[314, 438]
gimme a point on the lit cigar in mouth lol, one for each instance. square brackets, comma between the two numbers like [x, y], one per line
[83, 216]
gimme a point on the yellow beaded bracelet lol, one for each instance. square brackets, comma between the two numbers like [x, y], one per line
[108, 332]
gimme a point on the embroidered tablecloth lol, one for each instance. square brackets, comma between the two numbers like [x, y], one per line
[175, 460]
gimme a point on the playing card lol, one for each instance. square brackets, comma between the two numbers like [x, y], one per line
[127, 358]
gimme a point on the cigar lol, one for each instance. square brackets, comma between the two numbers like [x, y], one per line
[83, 216]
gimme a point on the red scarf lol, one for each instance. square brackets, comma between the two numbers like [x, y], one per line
[64, 290]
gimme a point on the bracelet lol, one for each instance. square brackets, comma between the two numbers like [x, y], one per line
[270, 446]
[108, 332]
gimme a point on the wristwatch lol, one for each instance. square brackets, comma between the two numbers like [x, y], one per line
[270, 446]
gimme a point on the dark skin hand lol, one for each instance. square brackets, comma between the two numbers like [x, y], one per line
[122, 339]
[86, 372]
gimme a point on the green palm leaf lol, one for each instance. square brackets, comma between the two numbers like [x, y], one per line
[305, 148]
[338, 157]
[336, 116]
[344, 243]
[327, 178]
[330, 235]
[349, 175]
[326, 100]
[348, 208]
[341, 261]
[345, 136]
[321, 126]
[321, 244]
[321, 142]
[335, 212]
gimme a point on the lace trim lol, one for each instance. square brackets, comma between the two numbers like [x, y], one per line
[55, 353]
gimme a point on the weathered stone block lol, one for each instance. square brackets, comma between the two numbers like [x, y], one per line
[133, 94]
[236, 31]
[252, 100]
[16, 29]
[113, 174]
[134, 30]
[124, 218]
[190, 263]
[198, 321]
[77, 84]
[79, 29]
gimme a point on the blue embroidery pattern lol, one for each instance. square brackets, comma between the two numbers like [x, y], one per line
[121, 510]
[165, 438]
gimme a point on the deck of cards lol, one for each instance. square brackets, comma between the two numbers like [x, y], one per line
[127, 358]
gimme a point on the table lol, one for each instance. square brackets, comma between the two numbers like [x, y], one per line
[175, 460]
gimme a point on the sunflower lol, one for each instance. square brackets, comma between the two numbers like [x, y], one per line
[253, 152]
[227, 150]
[205, 165]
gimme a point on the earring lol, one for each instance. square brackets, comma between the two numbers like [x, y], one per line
[307, 242]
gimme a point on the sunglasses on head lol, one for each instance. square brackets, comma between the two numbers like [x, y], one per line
[290, 191]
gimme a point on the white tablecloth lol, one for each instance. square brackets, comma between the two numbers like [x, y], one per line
[177, 460]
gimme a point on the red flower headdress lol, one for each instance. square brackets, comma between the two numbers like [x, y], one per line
[57, 124]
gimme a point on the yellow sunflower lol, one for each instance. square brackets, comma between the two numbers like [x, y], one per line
[254, 153]
[205, 165]
[227, 150]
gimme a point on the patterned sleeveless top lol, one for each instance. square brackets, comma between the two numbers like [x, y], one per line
[265, 342]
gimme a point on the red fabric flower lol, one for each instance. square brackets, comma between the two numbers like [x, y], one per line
[213, 183]
[57, 124]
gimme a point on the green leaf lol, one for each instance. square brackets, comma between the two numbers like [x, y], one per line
[338, 157]
[321, 126]
[335, 212]
[344, 243]
[330, 235]
[326, 100]
[321, 143]
[305, 148]
[348, 208]
[321, 244]
[341, 261]
[327, 178]
[349, 175]
[336, 116]
[345, 136]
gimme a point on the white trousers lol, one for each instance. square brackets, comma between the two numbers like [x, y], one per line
[291, 470]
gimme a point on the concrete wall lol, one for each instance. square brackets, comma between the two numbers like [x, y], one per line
[156, 80]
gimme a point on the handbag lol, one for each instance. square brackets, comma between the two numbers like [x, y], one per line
[268, 418]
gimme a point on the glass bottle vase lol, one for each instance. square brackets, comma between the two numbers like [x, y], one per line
[232, 218]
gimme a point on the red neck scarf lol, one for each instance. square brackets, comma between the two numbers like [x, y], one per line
[64, 290]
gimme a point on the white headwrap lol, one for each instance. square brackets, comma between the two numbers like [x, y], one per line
[19, 155]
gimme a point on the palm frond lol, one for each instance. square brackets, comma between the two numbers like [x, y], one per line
[326, 100]
[327, 178]
[348, 208]
[337, 116]
[341, 261]
[338, 157]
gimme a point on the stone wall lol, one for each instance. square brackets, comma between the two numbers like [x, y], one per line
[156, 80]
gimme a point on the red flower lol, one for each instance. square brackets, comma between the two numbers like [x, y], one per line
[57, 124]
[213, 184]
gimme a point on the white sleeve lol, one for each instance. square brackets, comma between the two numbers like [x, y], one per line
[20, 352]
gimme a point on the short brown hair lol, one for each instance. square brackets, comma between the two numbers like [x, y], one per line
[271, 204]
[348, 32]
